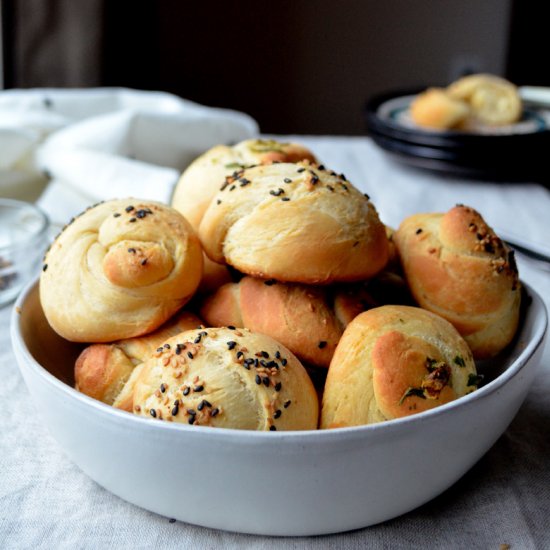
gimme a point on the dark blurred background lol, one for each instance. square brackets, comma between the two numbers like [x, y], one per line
[296, 66]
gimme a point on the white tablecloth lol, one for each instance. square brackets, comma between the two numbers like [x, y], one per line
[47, 502]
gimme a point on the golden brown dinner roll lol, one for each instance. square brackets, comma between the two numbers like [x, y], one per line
[492, 100]
[394, 361]
[204, 176]
[457, 267]
[228, 379]
[118, 270]
[298, 316]
[294, 222]
[102, 370]
[435, 108]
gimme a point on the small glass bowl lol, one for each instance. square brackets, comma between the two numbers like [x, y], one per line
[24, 236]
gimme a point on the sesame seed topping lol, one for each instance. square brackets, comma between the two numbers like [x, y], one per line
[230, 327]
[129, 208]
[272, 429]
[300, 170]
[44, 267]
[287, 180]
[163, 387]
[287, 404]
[132, 250]
[190, 355]
[116, 215]
[322, 344]
[132, 220]
[186, 390]
[265, 381]
[278, 386]
[258, 379]
[277, 414]
[285, 199]
[153, 413]
[270, 282]
[231, 344]
[214, 412]
[176, 408]
[198, 388]
[418, 231]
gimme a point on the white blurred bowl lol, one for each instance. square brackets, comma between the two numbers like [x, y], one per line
[272, 483]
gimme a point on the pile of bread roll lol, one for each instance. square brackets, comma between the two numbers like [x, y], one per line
[270, 296]
[470, 102]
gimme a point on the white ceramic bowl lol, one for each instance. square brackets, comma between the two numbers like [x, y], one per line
[272, 483]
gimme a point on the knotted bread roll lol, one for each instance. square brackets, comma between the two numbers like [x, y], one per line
[103, 370]
[228, 379]
[294, 222]
[298, 316]
[120, 269]
[395, 361]
[493, 101]
[435, 108]
[457, 267]
[205, 175]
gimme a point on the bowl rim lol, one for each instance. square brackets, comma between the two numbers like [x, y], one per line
[276, 437]
[29, 206]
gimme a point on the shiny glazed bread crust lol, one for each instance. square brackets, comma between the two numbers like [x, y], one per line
[296, 223]
[229, 379]
[205, 175]
[118, 270]
[394, 361]
[457, 267]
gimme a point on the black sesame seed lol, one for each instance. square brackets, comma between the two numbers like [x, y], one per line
[132, 220]
[153, 413]
[132, 250]
[270, 282]
[265, 354]
[116, 215]
[322, 344]
[191, 412]
[190, 355]
[44, 267]
[278, 386]
[277, 414]
[284, 362]
[277, 354]
[192, 419]
[272, 429]
[321, 167]
[159, 350]
[144, 261]
[232, 187]
[287, 180]
[166, 346]
[198, 388]
[163, 387]
[129, 208]
[197, 339]
[230, 327]
[179, 347]
[244, 182]
[301, 170]
[330, 188]
[285, 199]
[214, 412]
[186, 390]
[366, 196]
[231, 344]
[176, 408]
[418, 231]
[239, 354]
[287, 404]
[258, 379]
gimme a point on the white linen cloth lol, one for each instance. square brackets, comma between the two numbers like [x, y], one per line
[109, 142]
[47, 502]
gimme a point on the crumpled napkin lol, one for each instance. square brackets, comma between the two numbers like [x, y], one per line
[108, 142]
